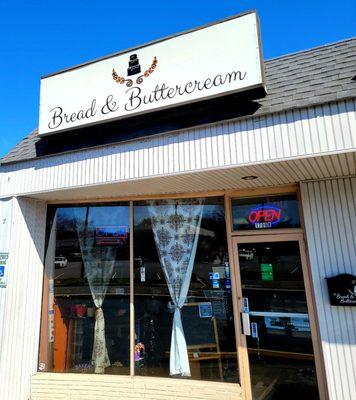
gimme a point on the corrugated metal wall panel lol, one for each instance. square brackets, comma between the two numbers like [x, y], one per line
[327, 128]
[330, 219]
[22, 308]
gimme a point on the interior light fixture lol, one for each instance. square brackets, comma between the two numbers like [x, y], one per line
[249, 177]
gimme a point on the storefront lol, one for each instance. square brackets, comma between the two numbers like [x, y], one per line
[177, 245]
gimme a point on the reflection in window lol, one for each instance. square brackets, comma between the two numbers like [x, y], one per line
[87, 271]
[184, 323]
[183, 311]
[280, 347]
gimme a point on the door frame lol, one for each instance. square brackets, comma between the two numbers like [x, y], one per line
[242, 351]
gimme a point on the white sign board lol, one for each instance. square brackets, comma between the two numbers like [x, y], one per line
[213, 61]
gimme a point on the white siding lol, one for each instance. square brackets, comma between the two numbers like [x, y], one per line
[21, 310]
[330, 219]
[319, 130]
[5, 238]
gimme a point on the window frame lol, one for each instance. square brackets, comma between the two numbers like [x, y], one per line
[44, 351]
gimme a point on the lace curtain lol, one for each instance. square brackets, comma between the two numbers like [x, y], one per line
[99, 264]
[176, 227]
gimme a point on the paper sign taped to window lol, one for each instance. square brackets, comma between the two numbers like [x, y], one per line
[205, 310]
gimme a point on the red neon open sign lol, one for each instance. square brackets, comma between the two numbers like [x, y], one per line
[265, 216]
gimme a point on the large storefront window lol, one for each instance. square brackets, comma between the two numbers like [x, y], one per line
[183, 310]
[87, 280]
[184, 324]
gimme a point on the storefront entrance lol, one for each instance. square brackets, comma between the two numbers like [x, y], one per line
[274, 305]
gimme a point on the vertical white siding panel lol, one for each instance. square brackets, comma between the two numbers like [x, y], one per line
[224, 145]
[67, 175]
[321, 124]
[232, 143]
[5, 243]
[285, 138]
[329, 128]
[291, 132]
[278, 143]
[305, 126]
[299, 132]
[214, 132]
[344, 123]
[257, 139]
[222, 157]
[181, 153]
[251, 140]
[338, 133]
[106, 176]
[164, 147]
[206, 133]
[238, 142]
[22, 309]
[198, 150]
[203, 147]
[264, 139]
[271, 137]
[149, 161]
[351, 119]
[179, 161]
[190, 150]
[137, 161]
[145, 165]
[244, 142]
[126, 165]
[330, 221]
[155, 157]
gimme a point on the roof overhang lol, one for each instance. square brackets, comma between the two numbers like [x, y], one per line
[212, 181]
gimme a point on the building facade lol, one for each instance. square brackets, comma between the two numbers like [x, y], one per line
[191, 259]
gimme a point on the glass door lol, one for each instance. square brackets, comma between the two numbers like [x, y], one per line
[274, 318]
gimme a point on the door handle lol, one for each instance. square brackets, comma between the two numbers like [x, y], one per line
[246, 327]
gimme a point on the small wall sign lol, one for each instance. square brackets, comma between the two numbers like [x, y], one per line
[267, 272]
[342, 290]
[3, 264]
[205, 310]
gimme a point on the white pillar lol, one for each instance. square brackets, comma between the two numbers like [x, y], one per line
[20, 302]
[330, 222]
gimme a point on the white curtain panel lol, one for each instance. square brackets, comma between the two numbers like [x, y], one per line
[98, 267]
[176, 227]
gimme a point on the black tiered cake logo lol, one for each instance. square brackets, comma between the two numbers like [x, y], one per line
[134, 65]
[134, 68]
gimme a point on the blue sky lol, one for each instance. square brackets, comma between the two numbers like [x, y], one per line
[40, 37]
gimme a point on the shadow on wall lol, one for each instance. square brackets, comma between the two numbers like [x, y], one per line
[34, 215]
[172, 125]
[210, 111]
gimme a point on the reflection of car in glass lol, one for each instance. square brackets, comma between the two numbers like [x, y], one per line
[60, 262]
